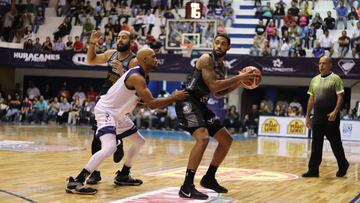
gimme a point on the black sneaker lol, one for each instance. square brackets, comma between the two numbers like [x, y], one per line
[191, 193]
[75, 187]
[311, 174]
[342, 171]
[119, 153]
[94, 178]
[211, 183]
[126, 180]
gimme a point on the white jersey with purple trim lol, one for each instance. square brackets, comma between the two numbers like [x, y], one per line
[119, 99]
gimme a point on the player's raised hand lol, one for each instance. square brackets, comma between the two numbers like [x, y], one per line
[95, 36]
[180, 94]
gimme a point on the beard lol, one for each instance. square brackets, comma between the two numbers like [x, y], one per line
[219, 54]
[123, 48]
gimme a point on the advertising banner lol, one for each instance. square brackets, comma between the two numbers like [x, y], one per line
[350, 130]
[282, 126]
[175, 63]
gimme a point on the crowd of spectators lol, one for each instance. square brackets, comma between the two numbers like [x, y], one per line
[295, 31]
[107, 16]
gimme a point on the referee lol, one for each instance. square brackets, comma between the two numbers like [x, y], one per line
[326, 92]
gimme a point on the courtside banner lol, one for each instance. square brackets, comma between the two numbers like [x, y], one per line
[350, 130]
[282, 127]
[176, 63]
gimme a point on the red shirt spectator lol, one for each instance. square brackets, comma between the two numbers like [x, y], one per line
[78, 44]
[91, 95]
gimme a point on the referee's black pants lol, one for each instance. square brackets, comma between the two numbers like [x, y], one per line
[332, 132]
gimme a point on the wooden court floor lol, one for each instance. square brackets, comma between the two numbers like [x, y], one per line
[255, 170]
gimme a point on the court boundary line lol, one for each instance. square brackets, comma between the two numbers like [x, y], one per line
[16, 195]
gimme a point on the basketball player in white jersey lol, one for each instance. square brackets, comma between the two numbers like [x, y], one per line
[119, 60]
[111, 115]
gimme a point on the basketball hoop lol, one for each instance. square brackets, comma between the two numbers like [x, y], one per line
[186, 49]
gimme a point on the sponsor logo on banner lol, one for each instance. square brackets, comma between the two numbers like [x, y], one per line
[347, 130]
[296, 127]
[36, 57]
[81, 60]
[346, 65]
[270, 125]
[278, 67]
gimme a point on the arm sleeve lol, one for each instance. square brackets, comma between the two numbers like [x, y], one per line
[339, 85]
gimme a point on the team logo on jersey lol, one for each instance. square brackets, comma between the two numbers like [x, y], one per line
[346, 65]
[187, 107]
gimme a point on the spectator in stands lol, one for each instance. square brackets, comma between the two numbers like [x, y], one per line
[88, 27]
[73, 11]
[311, 37]
[69, 44]
[318, 51]
[28, 45]
[41, 110]
[18, 27]
[278, 111]
[356, 49]
[140, 23]
[8, 20]
[32, 91]
[344, 44]
[63, 29]
[356, 34]
[295, 103]
[285, 48]
[307, 10]
[13, 112]
[124, 12]
[259, 9]
[79, 93]
[266, 50]
[271, 29]
[329, 22]
[255, 50]
[26, 111]
[288, 21]
[60, 8]
[91, 94]
[88, 9]
[267, 13]
[64, 109]
[274, 43]
[39, 20]
[327, 43]
[260, 28]
[219, 11]
[317, 21]
[150, 22]
[336, 3]
[232, 121]
[294, 10]
[78, 45]
[29, 12]
[341, 12]
[228, 15]
[99, 13]
[268, 102]
[28, 33]
[54, 107]
[303, 19]
[279, 14]
[74, 111]
[304, 34]
[59, 45]
[353, 16]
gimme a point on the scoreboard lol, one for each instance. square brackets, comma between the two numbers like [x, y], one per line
[193, 10]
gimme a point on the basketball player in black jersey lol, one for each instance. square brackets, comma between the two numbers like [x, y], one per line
[119, 61]
[198, 120]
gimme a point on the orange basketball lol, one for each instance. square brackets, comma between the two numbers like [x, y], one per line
[252, 84]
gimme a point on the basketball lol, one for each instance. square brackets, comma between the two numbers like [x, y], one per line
[252, 84]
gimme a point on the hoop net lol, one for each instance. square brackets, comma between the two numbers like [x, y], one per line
[186, 49]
